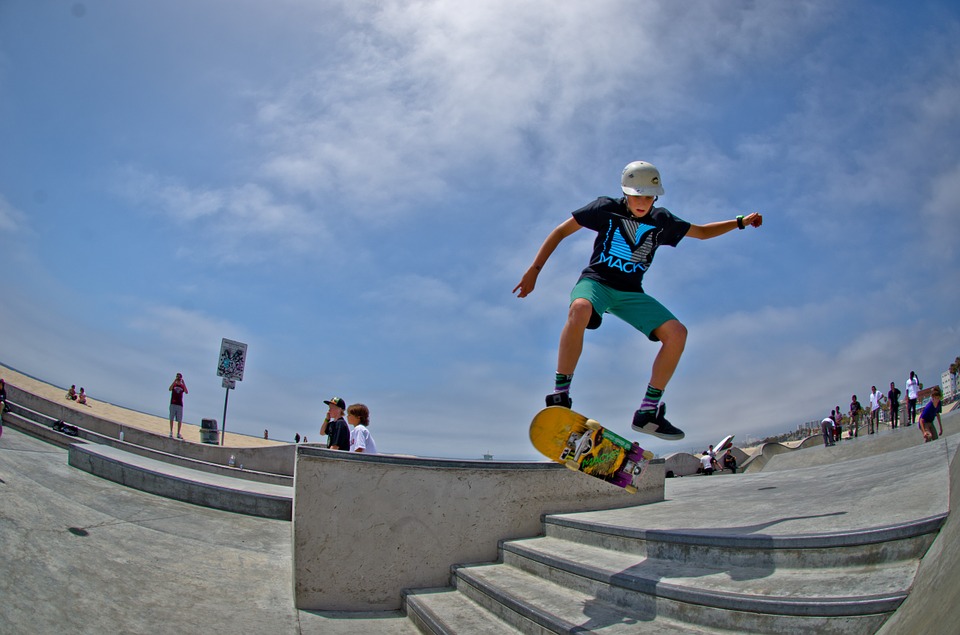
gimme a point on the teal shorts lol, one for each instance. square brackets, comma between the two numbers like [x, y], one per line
[639, 310]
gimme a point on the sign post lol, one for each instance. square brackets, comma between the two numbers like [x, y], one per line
[233, 357]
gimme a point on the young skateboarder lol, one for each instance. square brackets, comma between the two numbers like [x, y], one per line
[629, 230]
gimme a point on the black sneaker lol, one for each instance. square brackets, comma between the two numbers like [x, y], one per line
[653, 422]
[559, 399]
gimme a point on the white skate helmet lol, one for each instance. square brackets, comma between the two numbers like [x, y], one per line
[641, 179]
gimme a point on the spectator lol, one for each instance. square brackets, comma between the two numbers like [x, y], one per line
[296, 438]
[874, 425]
[893, 398]
[913, 391]
[72, 393]
[713, 458]
[177, 390]
[266, 434]
[838, 430]
[335, 426]
[931, 411]
[706, 463]
[826, 427]
[730, 462]
[855, 411]
[82, 397]
[360, 439]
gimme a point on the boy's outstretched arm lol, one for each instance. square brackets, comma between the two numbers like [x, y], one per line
[529, 280]
[712, 230]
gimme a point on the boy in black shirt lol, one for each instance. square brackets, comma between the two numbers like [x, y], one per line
[629, 230]
[335, 426]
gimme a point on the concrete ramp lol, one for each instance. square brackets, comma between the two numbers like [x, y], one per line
[933, 605]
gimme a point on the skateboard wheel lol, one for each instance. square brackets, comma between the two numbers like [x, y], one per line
[572, 465]
[630, 489]
[591, 424]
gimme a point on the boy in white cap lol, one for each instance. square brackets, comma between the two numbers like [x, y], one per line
[335, 426]
[629, 230]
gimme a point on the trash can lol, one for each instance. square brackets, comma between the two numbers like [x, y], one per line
[208, 431]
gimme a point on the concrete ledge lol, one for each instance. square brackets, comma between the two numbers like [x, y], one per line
[184, 484]
[38, 430]
[40, 425]
[736, 540]
[367, 527]
[276, 459]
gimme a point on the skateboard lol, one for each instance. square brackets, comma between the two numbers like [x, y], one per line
[583, 445]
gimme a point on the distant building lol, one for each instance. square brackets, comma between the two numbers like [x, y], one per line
[948, 384]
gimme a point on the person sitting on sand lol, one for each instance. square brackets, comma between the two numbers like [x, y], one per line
[82, 397]
[72, 393]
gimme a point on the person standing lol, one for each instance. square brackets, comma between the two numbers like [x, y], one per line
[335, 426]
[360, 438]
[913, 391]
[874, 425]
[893, 398]
[629, 230]
[855, 410]
[177, 390]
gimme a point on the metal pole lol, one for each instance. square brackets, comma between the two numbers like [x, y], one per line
[223, 430]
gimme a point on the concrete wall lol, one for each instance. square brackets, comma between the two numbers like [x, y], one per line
[367, 527]
[275, 459]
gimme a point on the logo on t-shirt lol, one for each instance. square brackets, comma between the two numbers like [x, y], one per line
[618, 252]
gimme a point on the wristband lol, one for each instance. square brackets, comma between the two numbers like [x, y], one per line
[740, 222]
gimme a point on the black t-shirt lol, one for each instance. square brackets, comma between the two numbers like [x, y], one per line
[625, 244]
[338, 434]
[894, 396]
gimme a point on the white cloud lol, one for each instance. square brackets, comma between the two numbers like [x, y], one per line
[12, 220]
[430, 95]
[243, 218]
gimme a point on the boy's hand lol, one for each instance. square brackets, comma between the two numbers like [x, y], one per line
[527, 283]
[754, 220]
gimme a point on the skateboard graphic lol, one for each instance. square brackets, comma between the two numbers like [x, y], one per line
[583, 445]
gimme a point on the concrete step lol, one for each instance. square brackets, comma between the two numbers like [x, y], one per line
[533, 604]
[761, 588]
[721, 548]
[447, 612]
[752, 554]
[184, 484]
[520, 597]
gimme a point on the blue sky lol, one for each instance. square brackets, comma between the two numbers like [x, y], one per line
[354, 188]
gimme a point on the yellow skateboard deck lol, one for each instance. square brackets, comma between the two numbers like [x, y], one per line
[583, 445]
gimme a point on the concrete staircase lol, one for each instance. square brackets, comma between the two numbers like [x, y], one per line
[800, 563]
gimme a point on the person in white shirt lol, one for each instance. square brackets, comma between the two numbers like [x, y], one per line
[913, 390]
[358, 416]
[827, 427]
[706, 463]
[874, 411]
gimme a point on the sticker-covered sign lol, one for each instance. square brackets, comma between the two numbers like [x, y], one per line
[233, 357]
